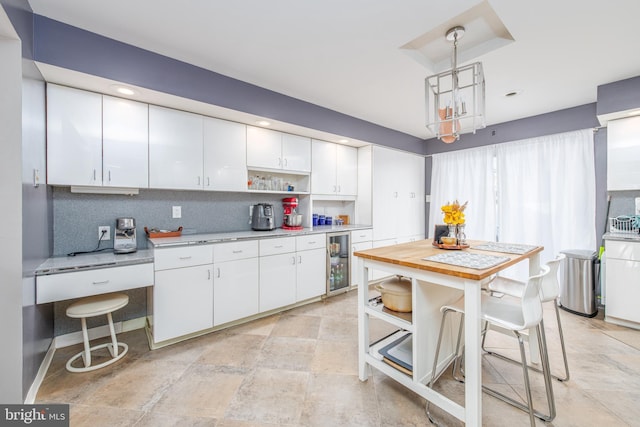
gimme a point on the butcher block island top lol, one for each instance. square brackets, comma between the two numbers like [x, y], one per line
[413, 255]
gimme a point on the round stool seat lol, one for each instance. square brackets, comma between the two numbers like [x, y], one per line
[97, 305]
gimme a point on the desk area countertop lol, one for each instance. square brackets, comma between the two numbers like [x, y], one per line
[66, 264]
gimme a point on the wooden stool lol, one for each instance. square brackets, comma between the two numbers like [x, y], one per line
[96, 306]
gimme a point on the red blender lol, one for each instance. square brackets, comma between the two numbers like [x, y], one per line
[292, 219]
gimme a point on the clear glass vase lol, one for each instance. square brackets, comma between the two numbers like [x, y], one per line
[461, 236]
[453, 231]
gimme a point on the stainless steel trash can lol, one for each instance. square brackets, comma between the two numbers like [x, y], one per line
[579, 277]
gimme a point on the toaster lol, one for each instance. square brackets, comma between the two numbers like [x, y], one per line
[262, 217]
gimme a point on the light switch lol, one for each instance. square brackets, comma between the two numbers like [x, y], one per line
[177, 212]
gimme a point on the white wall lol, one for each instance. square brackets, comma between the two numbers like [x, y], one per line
[10, 214]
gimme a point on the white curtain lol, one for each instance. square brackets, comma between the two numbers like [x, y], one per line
[546, 193]
[465, 175]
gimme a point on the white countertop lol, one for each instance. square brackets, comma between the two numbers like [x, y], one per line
[627, 237]
[196, 239]
[64, 264]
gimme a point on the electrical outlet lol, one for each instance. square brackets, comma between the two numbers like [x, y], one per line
[107, 232]
[177, 212]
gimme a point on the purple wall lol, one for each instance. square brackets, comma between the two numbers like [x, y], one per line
[69, 47]
[619, 96]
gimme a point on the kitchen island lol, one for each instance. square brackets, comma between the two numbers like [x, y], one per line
[428, 281]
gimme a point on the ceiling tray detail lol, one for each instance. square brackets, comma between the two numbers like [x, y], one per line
[485, 33]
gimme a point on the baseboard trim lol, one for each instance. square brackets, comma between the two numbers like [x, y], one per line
[99, 332]
[42, 373]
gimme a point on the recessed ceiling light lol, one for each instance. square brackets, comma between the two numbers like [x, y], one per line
[263, 123]
[123, 90]
[512, 93]
[344, 141]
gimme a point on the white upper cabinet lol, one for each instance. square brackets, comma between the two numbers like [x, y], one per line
[74, 137]
[335, 169]
[175, 149]
[125, 143]
[270, 149]
[623, 154]
[225, 155]
[296, 153]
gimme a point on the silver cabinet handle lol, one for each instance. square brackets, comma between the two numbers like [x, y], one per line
[208, 274]
[237, 252]
[286, 162]
[293, 260]
[102, 282]
[299, 259]
[395, 194]
[109, 176]
[185, 257]
[312, 243]
[94, 174]
[198, 179]
[278, 246]
[339, 189]
[208, 182]
[218, 276]
[279, 161]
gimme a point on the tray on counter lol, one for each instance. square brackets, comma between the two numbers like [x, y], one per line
[154, 233]
[450, 247]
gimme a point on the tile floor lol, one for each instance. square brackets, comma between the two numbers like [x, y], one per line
[299, 368]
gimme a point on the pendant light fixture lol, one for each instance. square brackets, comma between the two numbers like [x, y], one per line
[455, 99]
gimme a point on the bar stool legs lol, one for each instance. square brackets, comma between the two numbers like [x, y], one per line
[95, 306]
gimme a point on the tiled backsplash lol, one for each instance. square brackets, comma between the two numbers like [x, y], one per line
[76, 217]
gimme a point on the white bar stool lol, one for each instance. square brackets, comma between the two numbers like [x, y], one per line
[96, 306]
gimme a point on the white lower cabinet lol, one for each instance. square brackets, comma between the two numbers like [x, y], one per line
[623, 283]
[311, 269]
[182, 301]
[182, 298]
[235, 282]
[277, 281]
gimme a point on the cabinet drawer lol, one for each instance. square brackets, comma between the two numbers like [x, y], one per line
[313, 241]
[235, 250]
[166, 258]
[623, 250]
[77, 284]
[358, 236]
[277, 246]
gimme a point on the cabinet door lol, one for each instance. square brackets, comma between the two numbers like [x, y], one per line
[385, 193]
[623, 289]
[264, 148]
[323, 172]
[125, 143]
[182, 302]
[410, 191]
[74, 136]
[623, 154]
[311, 274]
[225, 155]
[235, 290]
[347, 170]
[175, 149]
[277, 281]
[296, 153]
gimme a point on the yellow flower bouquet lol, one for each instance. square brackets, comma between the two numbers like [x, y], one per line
[454, 212]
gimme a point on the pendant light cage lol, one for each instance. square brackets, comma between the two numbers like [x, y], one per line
[455, 99]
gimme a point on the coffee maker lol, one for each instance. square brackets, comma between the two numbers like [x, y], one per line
[125, 236]
[292, 219]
